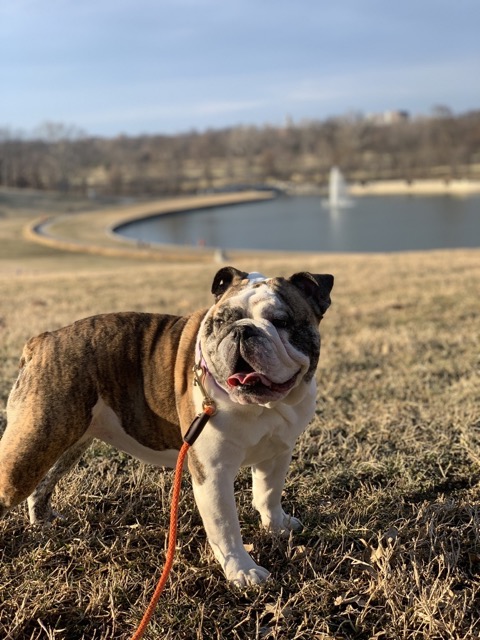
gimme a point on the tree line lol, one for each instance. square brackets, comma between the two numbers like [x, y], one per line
[59, 157]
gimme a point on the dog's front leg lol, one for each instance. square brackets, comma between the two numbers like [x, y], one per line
[216, 502]
[268, 479]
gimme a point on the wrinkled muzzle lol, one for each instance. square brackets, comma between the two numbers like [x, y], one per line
[255, 365]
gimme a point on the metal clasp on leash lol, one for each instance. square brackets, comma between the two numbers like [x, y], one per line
[208, 404]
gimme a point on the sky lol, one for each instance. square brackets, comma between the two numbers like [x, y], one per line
[130, 67]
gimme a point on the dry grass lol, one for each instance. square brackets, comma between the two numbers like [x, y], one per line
[386, 479]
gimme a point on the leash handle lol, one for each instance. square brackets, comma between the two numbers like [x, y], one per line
[196, 428]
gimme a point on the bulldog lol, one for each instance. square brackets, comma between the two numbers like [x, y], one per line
[137, 380]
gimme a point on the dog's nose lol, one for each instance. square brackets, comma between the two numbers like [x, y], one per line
[246, 331]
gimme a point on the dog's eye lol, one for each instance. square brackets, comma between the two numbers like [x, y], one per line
[280, 323]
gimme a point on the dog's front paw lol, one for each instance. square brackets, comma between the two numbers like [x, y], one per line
[291, 524]
[282, 523]
[243, 578]
[242, 571]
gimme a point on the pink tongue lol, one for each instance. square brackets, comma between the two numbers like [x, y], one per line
[248, 379]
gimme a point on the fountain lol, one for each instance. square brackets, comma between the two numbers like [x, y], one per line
[338, 197]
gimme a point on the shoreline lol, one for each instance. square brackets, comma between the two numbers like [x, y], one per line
[455, 188]
[416, 187]
[95, 231]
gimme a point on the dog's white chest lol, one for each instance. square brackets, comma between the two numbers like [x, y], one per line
[251, 434]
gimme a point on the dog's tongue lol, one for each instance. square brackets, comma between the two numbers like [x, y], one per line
[248, 379]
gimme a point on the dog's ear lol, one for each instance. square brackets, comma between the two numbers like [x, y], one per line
[224, 278]
[316, 289]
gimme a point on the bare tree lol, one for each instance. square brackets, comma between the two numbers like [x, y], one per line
[58, 156]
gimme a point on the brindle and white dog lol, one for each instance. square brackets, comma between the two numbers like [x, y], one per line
[126, 378]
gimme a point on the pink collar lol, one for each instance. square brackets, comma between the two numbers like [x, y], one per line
[201, 366]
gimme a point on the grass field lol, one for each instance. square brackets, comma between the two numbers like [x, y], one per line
[386, 479]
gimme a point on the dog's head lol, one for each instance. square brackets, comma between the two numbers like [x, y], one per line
[260, 339]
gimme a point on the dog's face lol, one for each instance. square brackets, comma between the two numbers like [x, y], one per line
[260, 339]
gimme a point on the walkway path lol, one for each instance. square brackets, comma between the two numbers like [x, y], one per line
[92, 231]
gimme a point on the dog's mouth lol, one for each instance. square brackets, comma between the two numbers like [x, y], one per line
[247, 379]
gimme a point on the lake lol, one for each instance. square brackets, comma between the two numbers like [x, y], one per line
[300, 223]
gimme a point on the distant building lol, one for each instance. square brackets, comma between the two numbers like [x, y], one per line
[388, 117]
[394, 117]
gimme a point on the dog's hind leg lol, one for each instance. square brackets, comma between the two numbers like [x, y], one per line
[49, 411]
[30, 468]
[39, 507]
[36, 449]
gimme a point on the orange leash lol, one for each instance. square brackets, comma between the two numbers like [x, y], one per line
[172, 539]
[192, 434]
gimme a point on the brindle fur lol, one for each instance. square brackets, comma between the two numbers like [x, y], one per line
[62, 375]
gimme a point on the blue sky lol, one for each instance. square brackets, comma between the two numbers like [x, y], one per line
[162, 66]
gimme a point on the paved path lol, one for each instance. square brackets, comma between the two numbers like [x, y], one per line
[92, 231]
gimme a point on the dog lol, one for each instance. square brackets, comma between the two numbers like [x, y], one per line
[137, 380]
